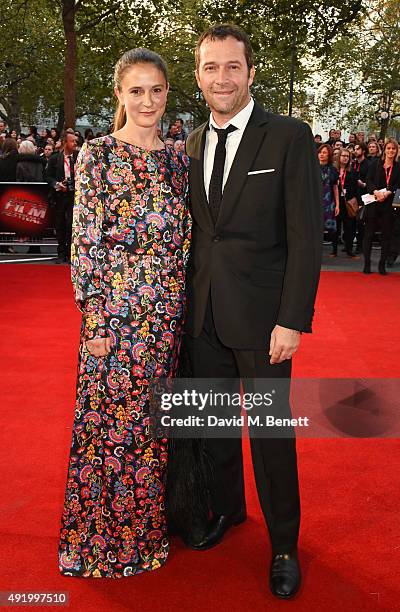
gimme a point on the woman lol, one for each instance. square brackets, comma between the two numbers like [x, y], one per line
[347, 191]
[89, 134]
[30, 166]
[383, 179]
[54, 134]
[8, 162]
[131, 237]
[330, 178]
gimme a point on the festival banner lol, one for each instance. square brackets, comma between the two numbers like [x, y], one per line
[25, 210]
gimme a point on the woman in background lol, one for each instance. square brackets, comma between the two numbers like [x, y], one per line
[347, 191]
[383, 179]
[330, 177]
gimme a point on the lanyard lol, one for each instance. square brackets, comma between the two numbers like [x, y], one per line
[342, 177]
[388, 173]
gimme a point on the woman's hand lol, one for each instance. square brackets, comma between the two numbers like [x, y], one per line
[99, 347]
[380, 197]
[337, 209]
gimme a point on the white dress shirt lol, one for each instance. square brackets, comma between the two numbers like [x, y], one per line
[240, 122]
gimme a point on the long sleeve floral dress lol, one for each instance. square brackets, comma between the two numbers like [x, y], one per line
[131, 238]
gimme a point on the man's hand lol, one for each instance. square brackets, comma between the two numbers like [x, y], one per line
[61, 186]
[99, 347]
[284, 343]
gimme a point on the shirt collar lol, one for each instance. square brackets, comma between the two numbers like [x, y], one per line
[240, 120]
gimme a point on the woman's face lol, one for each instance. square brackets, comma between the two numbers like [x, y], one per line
[390, 151]
[53, 133]
[13, 134]
[344, 157]
[144, 95]
[323, 156]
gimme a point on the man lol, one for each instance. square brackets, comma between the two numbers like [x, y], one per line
[252, 280]
[360, 136]
[181, 133]
[60, 176]
[360, 168]
[317, 140]
[331, 137]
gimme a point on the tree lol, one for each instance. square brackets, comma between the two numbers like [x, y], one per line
[30, 59]
[362, 75]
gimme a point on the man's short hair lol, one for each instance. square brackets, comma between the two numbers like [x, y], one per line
[221, 32]
[362, 146]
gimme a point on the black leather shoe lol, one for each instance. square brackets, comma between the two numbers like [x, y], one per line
[215, 531]
[367, 268]
[284, 577]
[382, 268]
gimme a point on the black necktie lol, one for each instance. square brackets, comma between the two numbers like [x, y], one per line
[215, 189]
[71, 168]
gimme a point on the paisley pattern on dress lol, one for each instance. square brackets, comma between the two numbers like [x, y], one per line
[131, 240]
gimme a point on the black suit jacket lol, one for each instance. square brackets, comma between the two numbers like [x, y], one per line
[54, 172]
[261, 261]
[376, 179]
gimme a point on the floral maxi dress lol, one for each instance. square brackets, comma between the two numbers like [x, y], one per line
[131, 236]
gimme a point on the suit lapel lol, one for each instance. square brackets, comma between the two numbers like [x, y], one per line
[250, 143]
[201, 209]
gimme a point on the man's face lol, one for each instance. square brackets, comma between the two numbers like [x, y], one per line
[2, 126]
[223, 76]
[317, 139]
[352, 138]
[358, 151]
[43, 133]
[338, 135]
[70, 142]
[360, 136]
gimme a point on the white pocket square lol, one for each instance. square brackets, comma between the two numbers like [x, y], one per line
[261, 171]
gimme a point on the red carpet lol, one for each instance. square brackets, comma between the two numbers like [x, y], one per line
[350, 538]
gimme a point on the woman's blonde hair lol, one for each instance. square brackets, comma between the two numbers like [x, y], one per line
[392, 141]
[131, 58]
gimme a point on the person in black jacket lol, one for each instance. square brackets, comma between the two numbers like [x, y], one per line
[383, 174]
[252, 279]
[8, 162]
[347, 190]
[30, 167]
[360, 168]
[60, 176]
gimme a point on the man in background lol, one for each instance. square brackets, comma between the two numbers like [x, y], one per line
[60, 175]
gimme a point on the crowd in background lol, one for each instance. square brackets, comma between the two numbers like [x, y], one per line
[349, 170]
[24, 157]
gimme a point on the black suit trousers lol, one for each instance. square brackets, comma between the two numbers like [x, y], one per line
[63, 224]
[274, 459]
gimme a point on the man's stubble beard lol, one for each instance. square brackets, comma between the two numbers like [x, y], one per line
[237, 104]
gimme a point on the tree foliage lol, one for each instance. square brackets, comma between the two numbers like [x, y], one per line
[86, 38]
[362, 76]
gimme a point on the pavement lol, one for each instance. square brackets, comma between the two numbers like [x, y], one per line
[341, 263]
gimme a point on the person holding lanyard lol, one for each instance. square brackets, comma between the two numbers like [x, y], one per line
[347, 191]
[383, 179]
